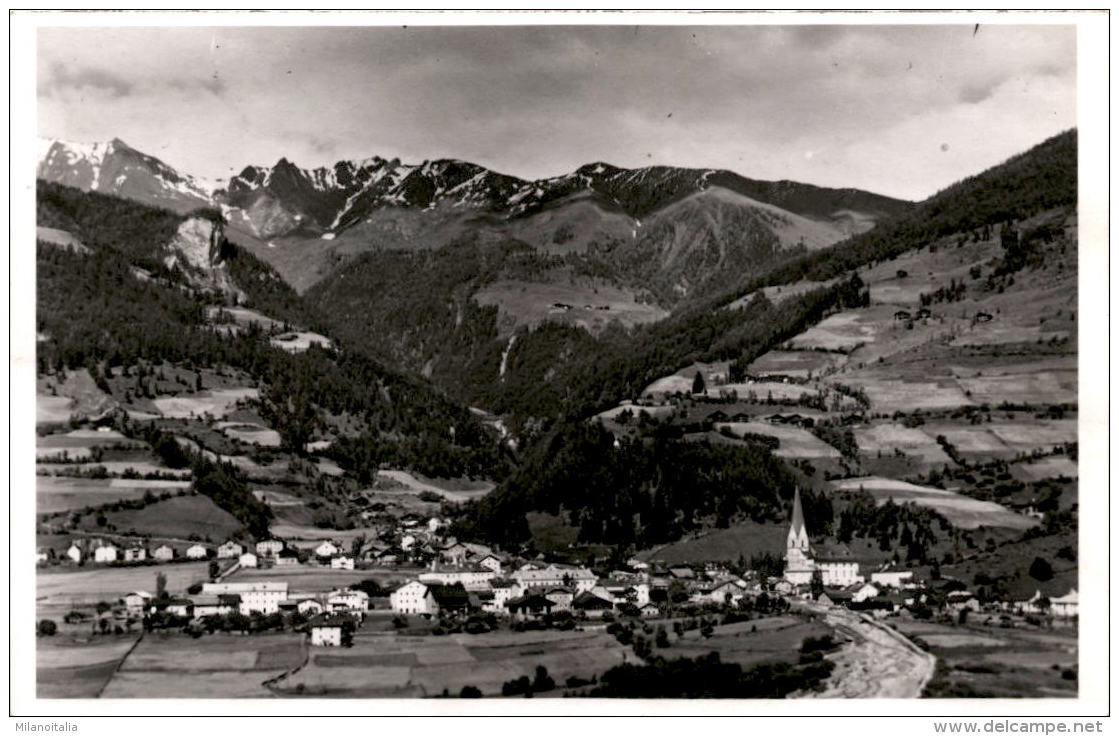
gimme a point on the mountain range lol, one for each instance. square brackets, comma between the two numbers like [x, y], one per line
[664, 227]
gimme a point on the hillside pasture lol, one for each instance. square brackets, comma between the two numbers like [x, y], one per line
[977, 441]
[178, 517]
[216, 402]
[243, 317]
[745, 539]
[452, 490]
[961, 511]
[750, 643]
[842, 332]
[298, 342]
[889, 392]
[1037, 434]
[886, 438]
[251, 433]
[1024, 385]
[590, 306]
[778, 294]
[55, 494]
[795, 441]
[52, 409]
[797, 363]
[1049, 467]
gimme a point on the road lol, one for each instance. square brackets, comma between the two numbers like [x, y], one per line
[877, 663]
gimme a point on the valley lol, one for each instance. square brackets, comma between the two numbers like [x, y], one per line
[619, 372]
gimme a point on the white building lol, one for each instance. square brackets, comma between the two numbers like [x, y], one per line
[326, 549]
[74, 552]
[579, 578]
[864, 592]
[248, 559]
[326, 633]
[491, 562]
[434, 524]
[310, 607]
[413, 597]
[269, 547]
[135, 554]
[472, 578]
[1067, 605]
[262, 597]
[347, 599]
[164, 553]
[230, 549]
[196, 552]
[106, 553]
[342, 563]
[502, 591]
[137, 601]
[890, 578]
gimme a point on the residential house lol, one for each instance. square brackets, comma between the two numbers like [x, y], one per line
[434, 524]
[726, 592]
[650, 610]
[408, 541]
[269, 547]
[326, 549]
[529, 606]
[490, 562]
[196, 552]
[105, 553]
[682, 573]
[42, 554]
[215, 605]
[342, 563]
[326, 630]
[348, 599]
[560, 596]
[591, 605]
[310, 607]
[454, 553]
[450, 598]
[181, 607]
[230, 550]
[255, 596]
[137, 602]
[247, 559]
[502, 591]
[864, 592]
[1067, 605]
[287, 558]
[135, 554]
[958, 600]
[164, 553]
[74, 552]
[412, 597]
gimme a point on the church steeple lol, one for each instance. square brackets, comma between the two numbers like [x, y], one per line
[798, 533]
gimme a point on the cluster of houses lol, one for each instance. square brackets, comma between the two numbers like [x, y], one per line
[83, 550]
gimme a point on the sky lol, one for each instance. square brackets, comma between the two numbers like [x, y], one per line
[899, 110]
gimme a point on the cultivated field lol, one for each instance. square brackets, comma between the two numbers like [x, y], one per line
[1049, 467]
[990, 661]
[252, 433]
[961, 511]
[297, 342]
[452, 490]
[178, 517]
[797, 363]
[91, 584]
[72, 666]
[795, 441]
[888, 437]
[213, 666]
[750, 643]
[411, 666]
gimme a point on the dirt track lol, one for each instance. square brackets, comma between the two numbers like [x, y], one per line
[878, 663]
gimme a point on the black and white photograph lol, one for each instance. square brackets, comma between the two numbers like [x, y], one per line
[558, 361]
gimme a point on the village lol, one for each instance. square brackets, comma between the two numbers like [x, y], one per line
[425, 583]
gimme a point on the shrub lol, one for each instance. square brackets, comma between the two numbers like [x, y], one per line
[46, 627]
[469, 691]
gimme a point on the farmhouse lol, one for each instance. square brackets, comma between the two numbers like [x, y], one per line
[561, 597]
[287, 558]
[491, 562]
[105, 553]
[215, 605]
[342, 563]
[1067, 605]
[836, 566]
[450, 598]
[262, 597]
[591, 606]
[529, 606]
[327, 630]
[196, 552]
[74, 552]
[347, 599]
[164, 553]
[135, 554]
[891, 577]
[248, 559]
[413, 597]
[310, 607]
[326, 549]
[137, 601]
[230, 549]
[269, 547]
[500, 591]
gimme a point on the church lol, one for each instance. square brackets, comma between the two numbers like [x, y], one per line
[837, 567]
